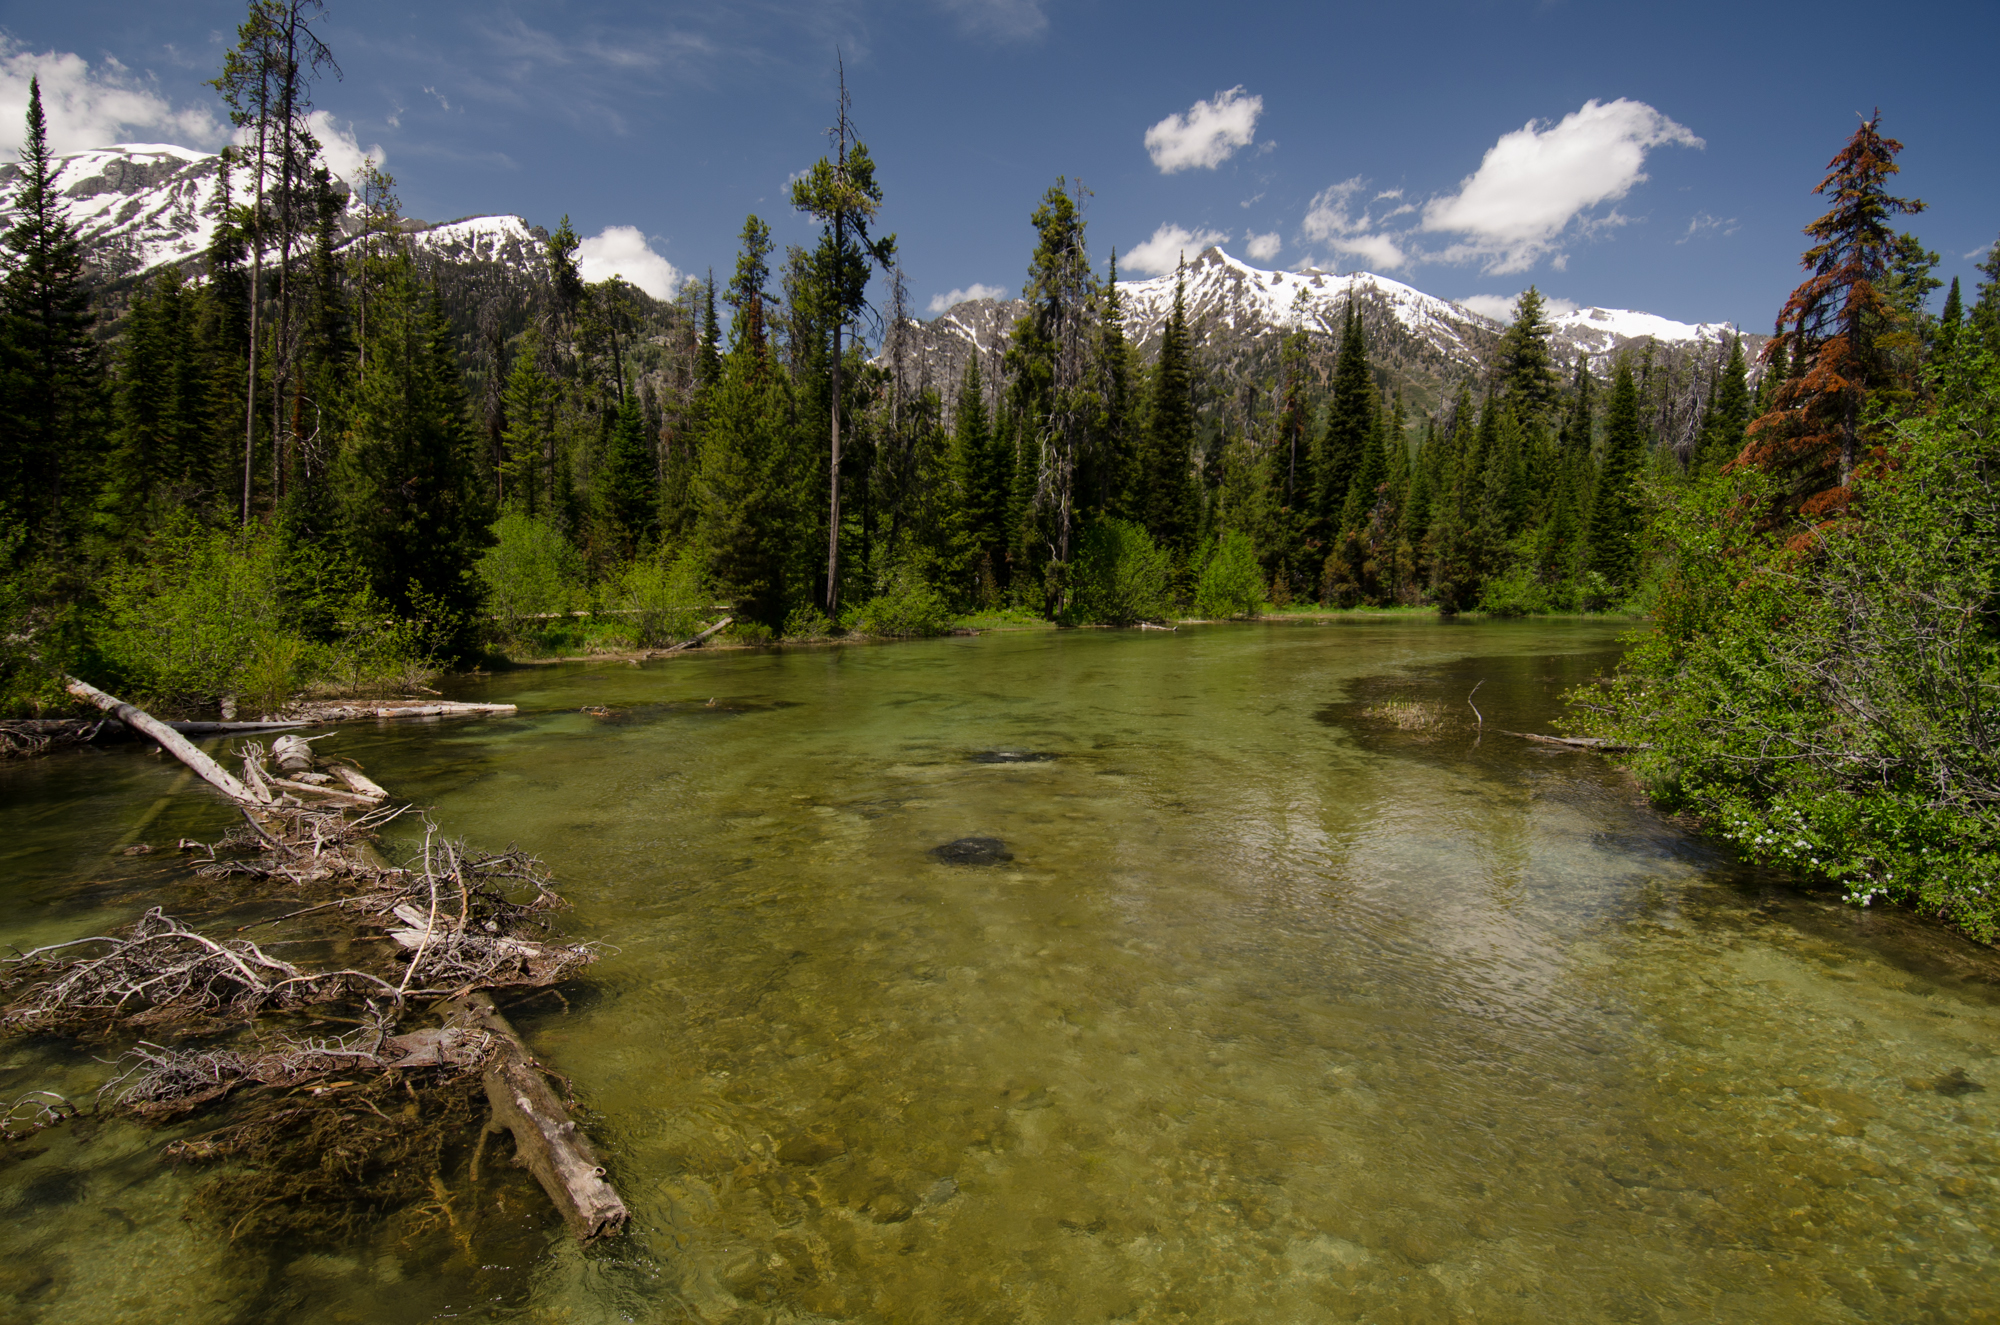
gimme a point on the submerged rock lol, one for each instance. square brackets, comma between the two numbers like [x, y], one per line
[1013, 757]
[973, 851]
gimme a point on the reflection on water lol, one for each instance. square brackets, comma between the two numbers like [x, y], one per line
[1107, 976]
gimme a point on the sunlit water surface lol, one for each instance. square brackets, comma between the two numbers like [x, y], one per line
[1280, 1010]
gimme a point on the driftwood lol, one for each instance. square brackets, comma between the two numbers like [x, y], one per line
[692, 641]
[1597, 743]
[318, 711]
[170, 740]
[461, 922]
[547, 1141]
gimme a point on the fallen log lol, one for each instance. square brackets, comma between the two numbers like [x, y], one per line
[693, 640]
[359, 783]
[170, 740]
[545, 1138]
[349, 710]
[1597, 743]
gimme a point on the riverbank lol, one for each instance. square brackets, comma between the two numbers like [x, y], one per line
[1266, 1005]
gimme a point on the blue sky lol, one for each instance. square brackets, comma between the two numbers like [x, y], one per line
[1656, 156]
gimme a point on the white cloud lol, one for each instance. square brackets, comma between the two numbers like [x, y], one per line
[1500, 307]
[1330, 220]
[1011, 20]
[941, 302]
[1163, 252]
[623, 250]
[1209, 134]
[1264, 247]
[91, 107]
[343, 152]
[1536, 180]
[1701, 223]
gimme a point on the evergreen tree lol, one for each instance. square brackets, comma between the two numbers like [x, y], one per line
[1526, 370]
[1166, 498]
[1349, 423]
[528, 440]
[1615, 514]
[1054, 389]
[160, 458]
[416, 512]
[709, 356]
[1833, 326]
[49, 422]
[981, 474]
[628, 486]
[1728, 412]
[1113, 459]
[1949, 323]
[844, 196]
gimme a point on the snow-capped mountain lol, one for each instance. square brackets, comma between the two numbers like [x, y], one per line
[1237, 313]
[141, 205]
[137, 204]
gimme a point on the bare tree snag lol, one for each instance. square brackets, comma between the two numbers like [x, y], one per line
[170, 740]
[548, 1142]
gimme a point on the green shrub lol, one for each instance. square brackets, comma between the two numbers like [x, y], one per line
[180, 629]
[807, 622]
[1516, 591]
[1120, 576]
[1232, 583]
[1827, 696]
[531, 572]
[909, 609]
[663, 600]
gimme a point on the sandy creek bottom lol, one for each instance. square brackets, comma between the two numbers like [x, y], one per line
[1288, 1005]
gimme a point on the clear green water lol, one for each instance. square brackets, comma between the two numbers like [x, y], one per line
[1279, 1012]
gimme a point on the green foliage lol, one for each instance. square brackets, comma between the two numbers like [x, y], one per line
[1120, 576]
[531, 571]
[415, 512]
[908, 609]
[1615, 514]
[1232, 583]
[664, 599]
[1828, 696]
[808, 623]
[208, 614]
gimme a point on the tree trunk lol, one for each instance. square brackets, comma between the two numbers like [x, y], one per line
[545, 1138]
[172, 741]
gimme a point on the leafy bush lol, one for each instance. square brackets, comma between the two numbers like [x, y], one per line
[1828, 697]
[1120, 576]
[208, 614]
[530, 572]
[1232, 583]
[664, 600]
[1516, 591]
[909, 609]
[807, 622]
[182, 627]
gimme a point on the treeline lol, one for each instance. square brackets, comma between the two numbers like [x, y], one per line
[1821, 688]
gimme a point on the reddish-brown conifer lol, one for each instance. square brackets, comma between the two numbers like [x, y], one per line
[1831, 330]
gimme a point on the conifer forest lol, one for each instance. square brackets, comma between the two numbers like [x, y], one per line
[322, 459]
[1224, 793]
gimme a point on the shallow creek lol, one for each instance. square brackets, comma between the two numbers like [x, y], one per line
[1290, 994]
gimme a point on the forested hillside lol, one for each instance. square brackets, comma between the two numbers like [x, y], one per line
[335, 450]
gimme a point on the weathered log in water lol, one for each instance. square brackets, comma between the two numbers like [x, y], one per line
[320, 711]
[170, 740]
[547, 1141]
[693, 641]
[451, 917]
[1596, 743]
